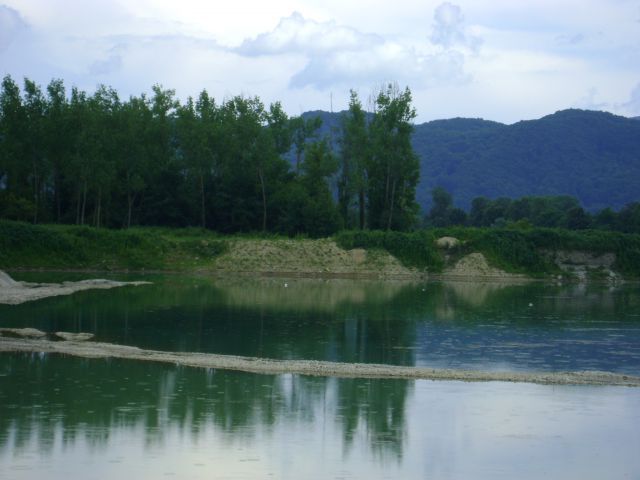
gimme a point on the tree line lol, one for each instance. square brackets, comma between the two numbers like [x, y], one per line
[231, 166]
[559, 211]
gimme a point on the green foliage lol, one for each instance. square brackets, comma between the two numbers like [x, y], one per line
[522, 250]
[392, 167]
[443, 213]
[413, 249]
[354, 156]
[56, 246]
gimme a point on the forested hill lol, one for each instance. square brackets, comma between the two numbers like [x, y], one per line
[593, 156]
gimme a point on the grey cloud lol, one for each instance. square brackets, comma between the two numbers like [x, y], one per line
[589, 102]
[570, 39]
[296, 34]
[633, 105]
[449, 30]
[364, 67]
[342, 55]
[104, 67]
[11, 24]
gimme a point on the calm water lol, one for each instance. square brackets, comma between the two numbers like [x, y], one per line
[74, 418]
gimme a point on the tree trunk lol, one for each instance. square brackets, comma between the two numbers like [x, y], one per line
[264, 201]
[84, 202]
[203, 213]
[98, 207]
[35, 193]
[385, 204]
[78, 206]
[130, 200]
[361, 206]
[58, 200]
[392, 205]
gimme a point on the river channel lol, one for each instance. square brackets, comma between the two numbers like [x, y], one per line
[105, 418]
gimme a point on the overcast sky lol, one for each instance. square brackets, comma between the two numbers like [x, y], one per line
[503, 60]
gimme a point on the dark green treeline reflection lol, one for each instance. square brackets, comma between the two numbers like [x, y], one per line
[43, 397]
[460, 325]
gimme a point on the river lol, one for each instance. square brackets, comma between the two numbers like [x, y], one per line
[63, 416]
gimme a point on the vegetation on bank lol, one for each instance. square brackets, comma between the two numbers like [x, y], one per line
[23, 245]
[525, 251]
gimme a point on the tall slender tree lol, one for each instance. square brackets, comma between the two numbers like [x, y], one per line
[34, 105]
[354, 154]
[393, 166]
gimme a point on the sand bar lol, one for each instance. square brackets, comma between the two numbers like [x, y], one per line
[308, 367]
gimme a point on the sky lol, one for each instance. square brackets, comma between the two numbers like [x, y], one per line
[502, 60]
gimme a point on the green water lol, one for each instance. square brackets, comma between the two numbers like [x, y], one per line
[63, 417]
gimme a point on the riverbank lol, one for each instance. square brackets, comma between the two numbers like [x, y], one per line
[460, 253]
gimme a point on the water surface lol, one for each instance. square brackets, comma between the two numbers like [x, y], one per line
[66, 418]
[455, 325]
[63, 417]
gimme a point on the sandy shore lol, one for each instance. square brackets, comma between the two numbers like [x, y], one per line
[14, 293]
[308, 367]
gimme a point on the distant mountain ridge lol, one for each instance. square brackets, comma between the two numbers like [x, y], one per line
[591, 155]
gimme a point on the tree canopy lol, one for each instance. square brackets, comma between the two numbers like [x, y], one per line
[96, 159]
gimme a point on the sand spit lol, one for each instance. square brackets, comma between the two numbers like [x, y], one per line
[308, 367]
[14, 293]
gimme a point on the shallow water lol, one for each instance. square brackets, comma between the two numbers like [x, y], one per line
[63, 417]
[453, 325]
[98, 419]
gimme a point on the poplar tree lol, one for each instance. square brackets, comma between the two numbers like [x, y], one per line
[354, 154]
[393, 167]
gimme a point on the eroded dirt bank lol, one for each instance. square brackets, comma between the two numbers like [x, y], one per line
[307, 367]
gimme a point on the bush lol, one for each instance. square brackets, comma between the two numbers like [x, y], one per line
[415, 249]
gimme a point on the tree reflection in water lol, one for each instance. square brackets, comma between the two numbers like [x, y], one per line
[48, 397]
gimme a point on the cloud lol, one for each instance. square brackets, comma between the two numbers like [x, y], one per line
[576, 39]
[387, 62]
[341, 55]
[588, 102]
[11, 24]
[295, 34]
[448, 28]
[633, 105]
[104, 67]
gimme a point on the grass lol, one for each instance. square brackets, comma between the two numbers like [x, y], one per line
[414, 249]
[24, 245]
[523, 251]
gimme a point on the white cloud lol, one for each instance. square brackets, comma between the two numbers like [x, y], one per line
[104, 67]
[589, 101]
[337, 55]
[11, 24]
[295, 34]
[632, 107]
[449, 29]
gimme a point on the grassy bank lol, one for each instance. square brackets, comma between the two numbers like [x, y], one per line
[516, 251]
[523, 251]
[24, 245]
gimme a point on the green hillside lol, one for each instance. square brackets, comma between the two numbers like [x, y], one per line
[593, 156]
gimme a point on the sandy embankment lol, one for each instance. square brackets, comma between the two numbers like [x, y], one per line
[306, 367]
[14, 293]
[324, 258]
